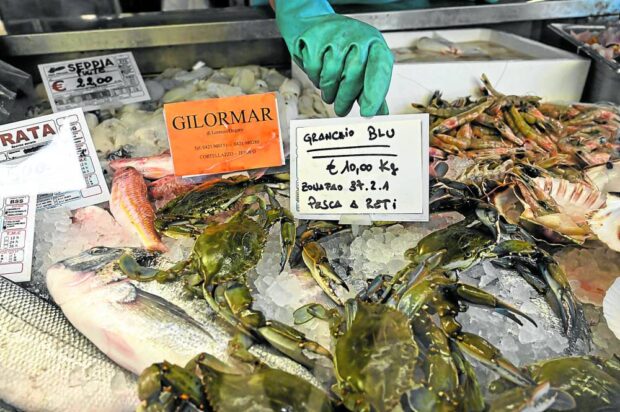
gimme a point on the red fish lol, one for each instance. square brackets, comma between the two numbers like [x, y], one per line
[153, 167]
[131, 208]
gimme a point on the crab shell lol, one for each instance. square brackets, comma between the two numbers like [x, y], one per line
[227, 251]
[605, 222]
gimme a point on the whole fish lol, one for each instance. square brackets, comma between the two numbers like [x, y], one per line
[131, 208]
[135, 324]
[47, 365]
[152, 167]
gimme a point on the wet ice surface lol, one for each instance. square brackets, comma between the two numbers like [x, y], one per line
[380, 250]
[280, 294]
[521, 345]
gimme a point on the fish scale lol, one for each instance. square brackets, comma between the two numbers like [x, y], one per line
[47, 365]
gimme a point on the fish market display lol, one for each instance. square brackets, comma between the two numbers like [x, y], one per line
[219, 299]
[134, 327]
[47, 365]
[605, 42]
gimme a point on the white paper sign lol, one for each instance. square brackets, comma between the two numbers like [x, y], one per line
[93, 83]
[17, 216]
[21, 140]
[42, 172]
[372, 168]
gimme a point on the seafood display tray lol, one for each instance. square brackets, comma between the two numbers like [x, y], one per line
[603, 83]
[553, 74]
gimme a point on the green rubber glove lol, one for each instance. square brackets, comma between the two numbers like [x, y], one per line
[347, 59]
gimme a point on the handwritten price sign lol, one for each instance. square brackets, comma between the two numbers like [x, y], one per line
[371, 167]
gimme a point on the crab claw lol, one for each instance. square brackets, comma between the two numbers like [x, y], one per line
[287, 236]
[489, 355]
[316, 261]
[292, 343]
[478, 296]
[535, 263]
[561, 291]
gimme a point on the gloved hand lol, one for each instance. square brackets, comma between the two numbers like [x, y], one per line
[347, 59]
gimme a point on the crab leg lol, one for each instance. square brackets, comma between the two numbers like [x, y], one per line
[437, 293]
[473, 399]
[292, 343]
[483, 351]
[442, 372]
[480, 297]
[560, 288]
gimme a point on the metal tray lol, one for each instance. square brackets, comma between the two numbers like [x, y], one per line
[603, 83]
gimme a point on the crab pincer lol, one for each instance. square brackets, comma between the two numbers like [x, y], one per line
[315, 258]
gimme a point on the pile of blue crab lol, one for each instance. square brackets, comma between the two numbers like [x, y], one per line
[186, 295]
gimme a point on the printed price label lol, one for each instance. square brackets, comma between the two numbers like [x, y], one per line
[92, 83]
[20, 140]
[373, 167]
[224, 135]
[17, 218]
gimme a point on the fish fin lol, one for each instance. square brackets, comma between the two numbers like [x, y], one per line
[159, 303]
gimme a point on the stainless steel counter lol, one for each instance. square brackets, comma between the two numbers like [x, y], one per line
[248, 35]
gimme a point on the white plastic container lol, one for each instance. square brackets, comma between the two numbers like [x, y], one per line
[553, 74]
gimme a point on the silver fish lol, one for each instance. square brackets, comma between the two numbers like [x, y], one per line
[47, 365]
[138, 324]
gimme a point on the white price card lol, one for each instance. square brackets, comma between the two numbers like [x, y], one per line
[17, 217]
[20, 140]
[375, 168]
[93, 83]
